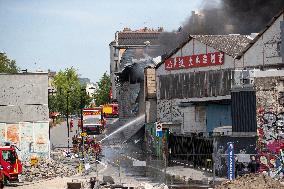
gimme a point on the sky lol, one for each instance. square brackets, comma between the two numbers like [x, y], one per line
[59, 34]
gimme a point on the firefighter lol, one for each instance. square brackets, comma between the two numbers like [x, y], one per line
[71, 125]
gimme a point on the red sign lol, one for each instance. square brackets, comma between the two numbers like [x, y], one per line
[194, 61]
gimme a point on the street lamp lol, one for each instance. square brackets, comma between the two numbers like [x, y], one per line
[81, 124]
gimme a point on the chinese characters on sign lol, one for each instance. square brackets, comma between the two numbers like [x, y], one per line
[193, 61]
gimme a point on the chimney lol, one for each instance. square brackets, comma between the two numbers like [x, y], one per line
[126, 29]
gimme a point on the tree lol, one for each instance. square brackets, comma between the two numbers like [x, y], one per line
[7, 65]
[67, 84]
[101, 95]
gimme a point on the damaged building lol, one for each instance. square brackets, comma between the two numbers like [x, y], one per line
[24, 120]
[215, 89]
[130, 53]
[194, 82]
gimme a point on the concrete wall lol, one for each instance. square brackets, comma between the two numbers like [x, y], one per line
[194, 119]
[270, 122]
[24, 113]
[30, 138]
[151, 110]
[23, 97]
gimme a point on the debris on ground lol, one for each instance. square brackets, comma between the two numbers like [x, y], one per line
[46, 169]
[252, 181]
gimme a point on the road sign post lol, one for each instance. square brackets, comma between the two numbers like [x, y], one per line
[231, 161]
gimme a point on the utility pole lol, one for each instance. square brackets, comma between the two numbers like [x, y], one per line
[119, 170]
[68, 133]
[83, 147]
[97, 166]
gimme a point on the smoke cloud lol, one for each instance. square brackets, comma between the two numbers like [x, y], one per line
[225, 17]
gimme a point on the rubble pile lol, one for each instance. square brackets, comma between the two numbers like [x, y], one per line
[252, 181]
[45, 169]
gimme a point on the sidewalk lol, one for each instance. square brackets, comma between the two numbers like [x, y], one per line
[188, 173]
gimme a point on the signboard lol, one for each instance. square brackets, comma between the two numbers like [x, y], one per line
[159, 129]
[138, 163]
[194, 61]
[84, 134]
[91, 112]
[231, 161]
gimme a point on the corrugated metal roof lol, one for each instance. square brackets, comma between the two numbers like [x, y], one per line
[138, 38]
[229, 44]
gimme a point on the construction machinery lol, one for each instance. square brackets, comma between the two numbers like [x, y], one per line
[10, 163]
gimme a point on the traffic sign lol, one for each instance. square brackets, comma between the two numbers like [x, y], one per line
[159, 129]
[83, 134]
[231, 161]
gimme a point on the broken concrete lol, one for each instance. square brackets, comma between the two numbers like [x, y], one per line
[46, 169]
[252, 181]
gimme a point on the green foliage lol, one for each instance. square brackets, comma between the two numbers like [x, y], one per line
[101, 95]
[7, 65]
[67, 85]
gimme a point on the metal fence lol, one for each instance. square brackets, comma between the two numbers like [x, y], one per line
[201, 161]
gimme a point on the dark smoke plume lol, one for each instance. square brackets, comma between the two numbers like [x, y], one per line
[229, 17]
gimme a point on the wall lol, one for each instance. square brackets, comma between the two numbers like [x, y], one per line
[217, 115]
[150, 95]
[23, 97]
[24, 112]
[113, 57]
[191, 85]
[30, 138]
[270, 123]
[127, 99]
[151, 110]
[150, 83]
[266, 50]
[196, 47]
[194, 119]
[195, 84]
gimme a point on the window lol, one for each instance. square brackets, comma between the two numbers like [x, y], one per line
[9, 155]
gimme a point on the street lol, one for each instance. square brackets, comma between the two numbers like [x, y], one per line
[142, 94]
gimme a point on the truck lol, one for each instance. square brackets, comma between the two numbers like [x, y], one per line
[110, 110]
[93, 121]
[1, 178]
[11, 166]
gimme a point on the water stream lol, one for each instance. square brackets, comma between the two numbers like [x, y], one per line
[134, 121]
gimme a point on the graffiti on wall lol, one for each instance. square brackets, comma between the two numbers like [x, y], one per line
[30, 138]
[241, 148]
[168, 111]
[270, 126]
[271, 140]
